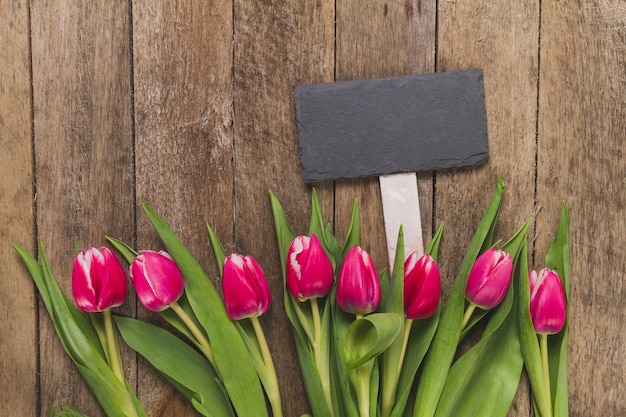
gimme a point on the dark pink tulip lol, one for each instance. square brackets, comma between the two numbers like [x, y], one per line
[98, 280]
[489, 278]
[422, 286]
[548, 305]
[358, 286]
[309, 271]
[245, 288]
[157, 280]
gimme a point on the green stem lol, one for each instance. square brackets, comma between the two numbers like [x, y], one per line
[114, 354]
[202, 340]
[320, 363]
[389, 392]
[543, 340]
[360, 378]
[271, 386]
[468, 315]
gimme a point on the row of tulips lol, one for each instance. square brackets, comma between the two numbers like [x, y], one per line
[361, 337]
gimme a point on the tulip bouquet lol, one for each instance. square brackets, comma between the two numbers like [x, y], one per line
[368, 344]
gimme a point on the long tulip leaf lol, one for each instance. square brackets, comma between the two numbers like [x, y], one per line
[370, 336]
[127, 252]
[443, 348]
[187, 370]
[218, 250]
[80, 342]
[483, 381]
[557, 258]
[299, 314]
[230, 352]
[420, 337]
[353, 236]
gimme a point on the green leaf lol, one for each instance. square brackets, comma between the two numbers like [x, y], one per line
[557, 258]
[483, 381]
[433, 248]
[341, 321]
[124, 249]
[390, 359]
[80, 342]
[186, 369]
[420, 338]
[370, 336]
[300, 314]
[353, 237]
[231, 355]
[218, 250]
[445, 341]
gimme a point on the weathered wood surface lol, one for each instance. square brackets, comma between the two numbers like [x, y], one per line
[188, 106]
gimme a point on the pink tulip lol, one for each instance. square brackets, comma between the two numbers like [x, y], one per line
[309, 271]
[489, 278]
[245, 288]
[358, 286]
[422, 286]
[157, 280]
[548, 305]
[98, 280]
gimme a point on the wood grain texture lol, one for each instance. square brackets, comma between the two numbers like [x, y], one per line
[278, 45]
[188, 106]
[502, 39]
[83, 156]
[381, 39]
[183, 134]
[581, 162]
[18, 349]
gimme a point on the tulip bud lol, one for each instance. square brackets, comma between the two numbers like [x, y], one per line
[358, 286]
[98, 280]
[309, 271]
[422, 286]
[489, 278]
[157, 280]
[245, 288]
[548, 305]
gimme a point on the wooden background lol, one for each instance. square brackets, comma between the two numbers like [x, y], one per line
[188, 106]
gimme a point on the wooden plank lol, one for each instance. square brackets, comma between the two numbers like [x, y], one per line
[83, 156]
[581, 162]
[183, 106]
[277, 46]
[501, 38]
[381, 39]
[18, 350]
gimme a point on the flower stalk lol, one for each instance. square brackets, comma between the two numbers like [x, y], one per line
[318, 353]
[201, 338]
[113, 351]
[545, 365]
[271, 381]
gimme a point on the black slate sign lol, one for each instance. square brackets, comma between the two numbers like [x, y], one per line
[382, 126]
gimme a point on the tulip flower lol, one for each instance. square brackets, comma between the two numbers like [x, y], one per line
[157, 280]
[309, 271]
[547, 301]
[247, 295]
[422, 286]
[245, 288]
[489, 278]
[548, 311]
[98, 280]
[99, 283]
[488, 281]
[358, 286]
[422, 292]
